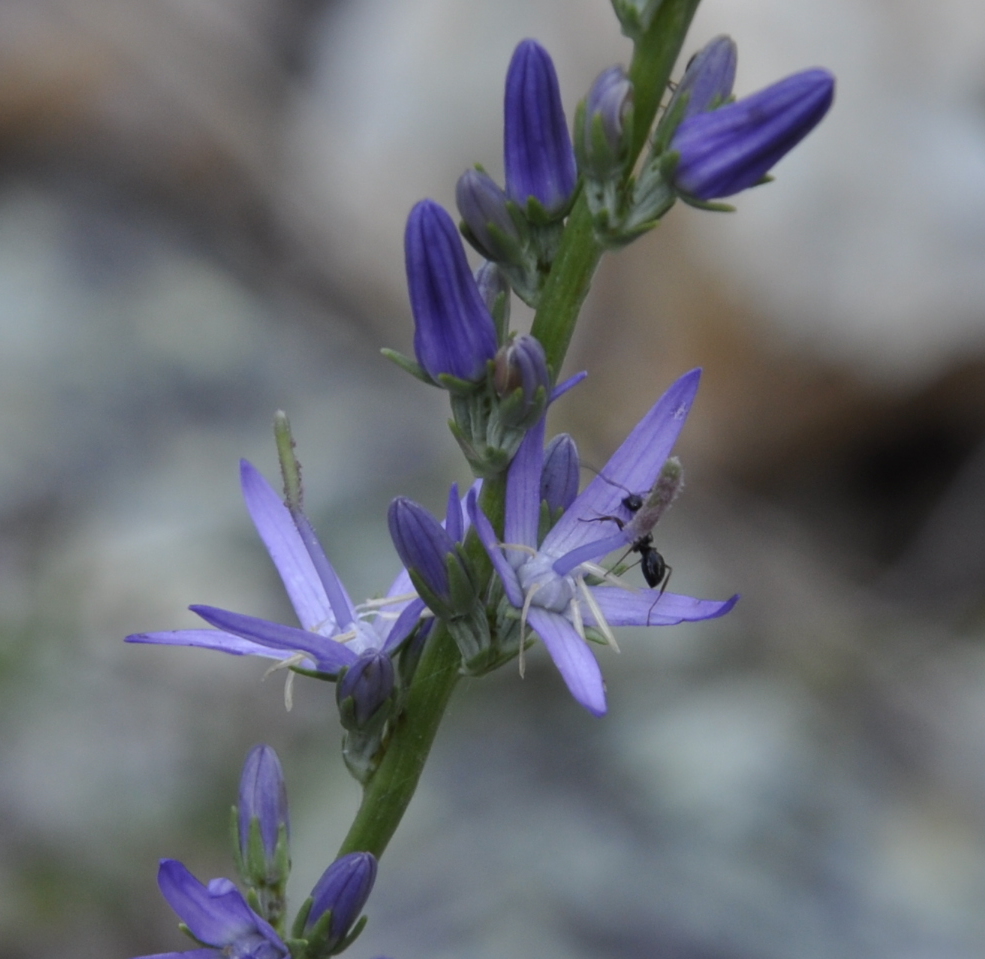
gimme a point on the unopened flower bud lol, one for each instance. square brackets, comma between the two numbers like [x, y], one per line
[263, 830]
[454, 334]
[560, 475]
[262, 799]
[708, 79]
[366, 687]
[539, 160]
[433, 560]
[522, 380]
[337, 900]
[603, 127]
[482, 205]
[723, 151]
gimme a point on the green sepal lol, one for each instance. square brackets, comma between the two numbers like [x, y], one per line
[459, 387]
[315, 674]
[297, 927]
[706, 204]
[353, 935]
[408, 365]
[297, 947]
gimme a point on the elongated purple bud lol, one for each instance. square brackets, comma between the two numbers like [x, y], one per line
[262, 797]
[732, 148]
[453, 331]
[539, 160]
[436, 566]
[560, 475]
[343, 888]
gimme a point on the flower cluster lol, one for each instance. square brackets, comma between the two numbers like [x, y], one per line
[523, 554]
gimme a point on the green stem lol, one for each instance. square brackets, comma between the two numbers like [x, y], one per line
[579, 253]
[388, 794]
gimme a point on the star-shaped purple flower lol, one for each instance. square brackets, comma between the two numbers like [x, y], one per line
[218, 916]
[334, 631]
[547, 582]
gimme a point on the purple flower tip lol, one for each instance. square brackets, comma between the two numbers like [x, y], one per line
[421, 543]
[454, 333]
[732, 148]
[369, 683]
[344, 888]
[539, 160]
[708, 79]
[262, 796]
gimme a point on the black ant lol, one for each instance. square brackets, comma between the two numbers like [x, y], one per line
[645, 513]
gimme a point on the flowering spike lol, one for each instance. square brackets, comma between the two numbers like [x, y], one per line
[337, 900]
[454, 334]
[539, 160]
[723, 151]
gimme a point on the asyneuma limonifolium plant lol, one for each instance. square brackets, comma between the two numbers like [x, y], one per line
[523, 555]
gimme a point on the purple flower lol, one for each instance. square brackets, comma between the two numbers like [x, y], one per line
[367, 685]
[482, 205]
[708, 79]
[602, 132]
[334, 631]
[521, 379]
[723, 151]
[540, 162]
[218, 916]
[262, 799]
[548, 583]
[343, 889]
[454, 333]
[559, 479]
[430, 551]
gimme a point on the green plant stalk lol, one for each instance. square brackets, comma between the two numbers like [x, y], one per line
[387, 795]
[574, 266]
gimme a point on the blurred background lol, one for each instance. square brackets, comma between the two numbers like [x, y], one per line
[201, 218]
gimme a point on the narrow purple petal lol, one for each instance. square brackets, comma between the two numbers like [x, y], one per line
[404, 623]
[279, 534]
[216, 639]
[342, 607]
[590, 551]
[633, 468]
[453, 515]
[567, 384]
[329, 654]
[622, 607]
[216, 920]
[572, 657]
[523, 489]
[488, 538]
